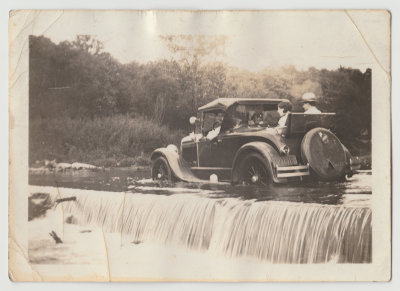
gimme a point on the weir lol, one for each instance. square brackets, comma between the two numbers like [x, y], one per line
[272, 231]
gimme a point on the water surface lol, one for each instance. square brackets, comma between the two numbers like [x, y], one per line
[355, 190]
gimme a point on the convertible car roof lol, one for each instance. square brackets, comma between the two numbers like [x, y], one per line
[224, 103]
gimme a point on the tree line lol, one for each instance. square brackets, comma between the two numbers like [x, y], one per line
[79, 80]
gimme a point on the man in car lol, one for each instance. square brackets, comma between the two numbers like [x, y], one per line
[216, 127]
[308, 102]
[256, 119]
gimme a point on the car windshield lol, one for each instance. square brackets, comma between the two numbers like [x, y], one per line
[212, 120]
[254, 115]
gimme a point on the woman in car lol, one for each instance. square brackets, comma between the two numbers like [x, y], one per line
[284, 109]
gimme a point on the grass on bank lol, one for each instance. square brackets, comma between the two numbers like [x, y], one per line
[107, 141]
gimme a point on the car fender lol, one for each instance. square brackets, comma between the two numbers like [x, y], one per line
[179, 167]
[266, 150]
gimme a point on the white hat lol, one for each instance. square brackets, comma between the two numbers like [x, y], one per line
[308, 97]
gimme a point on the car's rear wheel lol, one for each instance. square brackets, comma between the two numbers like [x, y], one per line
[161, 170]
[253, 171]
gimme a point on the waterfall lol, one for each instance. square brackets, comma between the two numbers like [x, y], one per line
[276, 232]
[178, 219]
[284, 232]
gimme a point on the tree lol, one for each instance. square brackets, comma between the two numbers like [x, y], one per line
[88, 44]
[190, 49]
[348, 93]
[75, 78]
[198, 70]
[79, 80]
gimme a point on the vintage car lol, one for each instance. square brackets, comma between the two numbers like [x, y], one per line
[237, 140]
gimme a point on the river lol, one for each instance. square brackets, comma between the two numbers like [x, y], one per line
[303, 223]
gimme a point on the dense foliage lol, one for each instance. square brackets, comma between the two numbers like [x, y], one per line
[79, 82]
[102, 141]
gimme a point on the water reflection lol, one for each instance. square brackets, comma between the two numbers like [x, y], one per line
[125, 179]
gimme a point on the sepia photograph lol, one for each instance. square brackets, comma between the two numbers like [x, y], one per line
[200, 145]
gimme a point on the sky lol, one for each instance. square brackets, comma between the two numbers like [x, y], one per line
[256, 40]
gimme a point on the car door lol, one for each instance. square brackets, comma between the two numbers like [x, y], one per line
[219, 151]
[212, 152]
[208, 147]
[205, 152]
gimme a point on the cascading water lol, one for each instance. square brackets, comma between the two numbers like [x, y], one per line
[284, 232]
[277, 232]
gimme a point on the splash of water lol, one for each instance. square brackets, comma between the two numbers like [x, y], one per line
[278, 232]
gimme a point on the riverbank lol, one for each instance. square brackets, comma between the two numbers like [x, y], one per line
[115, 141]
[47, 166]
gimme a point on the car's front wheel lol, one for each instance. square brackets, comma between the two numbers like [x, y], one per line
[253, 171]
[161, 170]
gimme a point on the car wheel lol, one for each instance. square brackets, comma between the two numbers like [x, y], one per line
[253, 171]
[161, 170]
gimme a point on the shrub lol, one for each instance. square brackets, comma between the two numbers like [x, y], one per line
[103, 141]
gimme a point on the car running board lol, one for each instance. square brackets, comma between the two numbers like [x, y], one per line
[292, 171]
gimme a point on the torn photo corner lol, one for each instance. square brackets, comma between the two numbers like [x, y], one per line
[200, 145]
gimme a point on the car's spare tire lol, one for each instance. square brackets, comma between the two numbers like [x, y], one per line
[324, 153]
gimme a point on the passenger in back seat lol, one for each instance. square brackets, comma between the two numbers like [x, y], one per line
[308, 102]
[284, 109]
